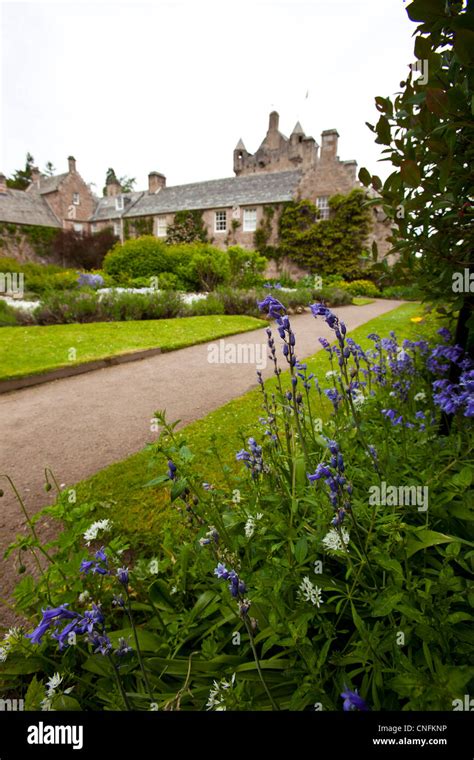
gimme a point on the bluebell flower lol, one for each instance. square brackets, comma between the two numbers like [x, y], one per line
[221, 571]
[272, 305]
[171, 470]
[352, 701]
[445, 334]
[123, 648]
[122, 575]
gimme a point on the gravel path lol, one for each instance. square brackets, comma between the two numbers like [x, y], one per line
[79, 425]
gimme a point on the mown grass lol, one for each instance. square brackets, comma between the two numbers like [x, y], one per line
[38, 349]
[140, 512]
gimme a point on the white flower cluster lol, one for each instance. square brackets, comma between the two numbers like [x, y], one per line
[331, 373]
[310, 593]
[358, 398]
[217, 694]
[250, 524]
[51, 687]
[12, 635]
[153, 566]
[420, 396]
[332, 540]
[93, 530]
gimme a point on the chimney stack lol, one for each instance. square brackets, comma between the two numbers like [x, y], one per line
[274, 121]
[329, 144]
[72, 164]
[113, 187]
[3, 184]
[156, 182]
[35, 176]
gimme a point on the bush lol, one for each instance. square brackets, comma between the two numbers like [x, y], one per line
[246, 267]
[403, 292]
[8, 315]
[362, 288]
[83, 250]
[145, 256]
[208, 267]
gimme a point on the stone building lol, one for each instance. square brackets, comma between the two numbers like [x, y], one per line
[233, 209]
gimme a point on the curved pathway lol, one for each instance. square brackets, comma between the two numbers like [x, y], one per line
[78, 425]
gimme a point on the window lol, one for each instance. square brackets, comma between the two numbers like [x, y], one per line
[76, 199]
[221, 221]
[323, 205]
[119, 203]
[78, 228]
[250, 219]
[117, 229]
[93, 228]
[161, 227]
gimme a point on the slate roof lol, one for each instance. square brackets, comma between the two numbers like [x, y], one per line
[50, 184]
[105, 208]
[271, 187]
[19, 207]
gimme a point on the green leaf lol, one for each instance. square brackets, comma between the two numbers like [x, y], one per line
[157, 481]
[384, 135]
[365, 177]
[19, 666]
[436, 100]
[410, 173]
[423, 539]
[65, 702]
[179, 486]
[463, 478]
[34, 695]
[464, 46]
[426, 10]
[386, 602]
[301, 550]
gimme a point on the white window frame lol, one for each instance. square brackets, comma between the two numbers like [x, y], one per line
[93, 228]
[323, 205]
[250, 220]
[220, 217]
[117, 229]
[119, 202]
[76, 199]
[161, 227]
[78, 227]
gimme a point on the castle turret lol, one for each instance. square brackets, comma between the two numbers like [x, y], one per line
[240, 154]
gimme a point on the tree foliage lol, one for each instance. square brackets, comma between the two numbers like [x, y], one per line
[126, 183]
[327, 246]
[21, 178]
[428, 131]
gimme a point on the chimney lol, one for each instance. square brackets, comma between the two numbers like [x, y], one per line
[274, 121]
[3, 184]
[72, 164]
[35, 176]
[113, 187]
[329, 144]
[156, 182]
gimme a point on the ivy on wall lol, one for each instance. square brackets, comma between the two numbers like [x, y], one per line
[187, 227]
[15, 237]
[137, 227]
[327, 246]
[263, 233]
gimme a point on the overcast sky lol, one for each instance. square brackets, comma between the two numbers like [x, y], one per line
[172, 86]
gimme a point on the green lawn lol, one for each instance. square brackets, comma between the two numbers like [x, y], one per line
[139, 512]
[362, 301]
[34, 350]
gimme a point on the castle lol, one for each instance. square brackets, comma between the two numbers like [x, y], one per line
[282, 169]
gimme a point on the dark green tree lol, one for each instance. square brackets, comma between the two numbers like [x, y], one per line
[21, 178]
[428, 131]
[126, 183]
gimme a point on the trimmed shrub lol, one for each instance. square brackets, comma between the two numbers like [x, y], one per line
[246, 267]
[361, 288]
[145, 256]
[404, 292]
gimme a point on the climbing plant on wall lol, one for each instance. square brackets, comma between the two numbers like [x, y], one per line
[137, 227]
[16, 237]
[327, 246]
[187, 227]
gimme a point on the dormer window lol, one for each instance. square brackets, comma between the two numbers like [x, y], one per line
[76, 199]
[119, 203]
